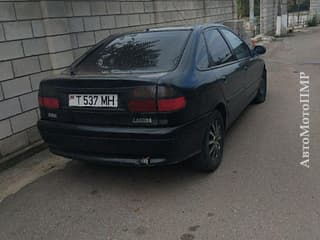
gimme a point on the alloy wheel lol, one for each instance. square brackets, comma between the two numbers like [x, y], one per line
[215, 140]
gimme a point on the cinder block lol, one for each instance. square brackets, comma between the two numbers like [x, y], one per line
[9, 108]
[24, 121]
[169, 16]
[171, 6]
[38, 28]
[126, 7]
[74, 41]
[145, 18]
[37, 78]
[85, 39]
[17, 30]
[5, 71]
[45, 63]
[1, 33]
[76, 24]
[91, 23]
[7, 12]
[10, 50]
[122, 21]
[119, 30]
[53, 9]
[29, 101]
[1, 93]
[113, 7]
[138, 7]
[13, 143]
[98, 7]
[33, 135]
[35, 46]
[68, 8]
[59, 71]
[59, 43]
[132, 7]
[162, 5]
[107, 22]
[15, 87]
[26, 66]
[60, 60]
[134, 20]
[149, 6]
[56, 26]
[5, 129]
[28, 10]
[79, 52]
[81, 8]
[102, 34]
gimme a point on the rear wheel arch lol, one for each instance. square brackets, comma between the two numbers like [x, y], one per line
[211, 153]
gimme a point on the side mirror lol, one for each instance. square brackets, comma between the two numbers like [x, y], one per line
[259, 50]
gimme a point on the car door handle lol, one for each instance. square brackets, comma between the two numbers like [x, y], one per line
[246, 67]
[224, 78]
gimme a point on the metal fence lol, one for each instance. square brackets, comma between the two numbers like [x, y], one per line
[298, 18]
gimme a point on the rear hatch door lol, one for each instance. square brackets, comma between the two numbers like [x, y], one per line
[95, 100]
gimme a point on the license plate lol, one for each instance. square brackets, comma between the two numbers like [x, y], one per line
[93, 100]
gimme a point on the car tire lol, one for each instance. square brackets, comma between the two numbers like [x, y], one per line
[262, 90]
[212, 147]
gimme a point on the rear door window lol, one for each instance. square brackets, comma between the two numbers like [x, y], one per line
[219, 52]
[154, 51]
[240, 48]
[202, 54]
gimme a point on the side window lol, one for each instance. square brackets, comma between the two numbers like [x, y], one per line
[219, 52]
[202, 54]
[239, 47]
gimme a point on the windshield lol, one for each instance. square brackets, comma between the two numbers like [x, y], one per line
[137, 52]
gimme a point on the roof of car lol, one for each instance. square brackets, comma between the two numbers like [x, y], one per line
[199, 26]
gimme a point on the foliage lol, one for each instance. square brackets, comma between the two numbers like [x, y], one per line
[313, 21]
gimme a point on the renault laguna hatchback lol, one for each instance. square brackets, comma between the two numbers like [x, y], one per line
[154, 97]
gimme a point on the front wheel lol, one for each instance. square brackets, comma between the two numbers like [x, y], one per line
[262, 91]
[212, 147]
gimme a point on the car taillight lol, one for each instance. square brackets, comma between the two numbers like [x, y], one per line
[171, 104]
[142, 106]
[48, 102]
[150, 99]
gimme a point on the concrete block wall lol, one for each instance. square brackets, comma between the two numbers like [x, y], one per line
[40, 38]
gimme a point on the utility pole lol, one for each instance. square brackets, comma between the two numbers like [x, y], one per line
[282, 18]
[299, 7]
[251, 17]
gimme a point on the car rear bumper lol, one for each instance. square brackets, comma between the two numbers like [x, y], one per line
[125, 146]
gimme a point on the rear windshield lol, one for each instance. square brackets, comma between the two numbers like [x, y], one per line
[137, 52]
